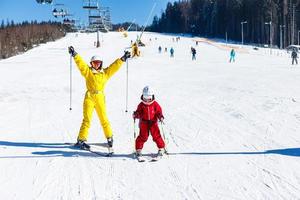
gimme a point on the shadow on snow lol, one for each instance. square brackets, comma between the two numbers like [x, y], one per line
[58, 149]
[67, 153]
[285, 152]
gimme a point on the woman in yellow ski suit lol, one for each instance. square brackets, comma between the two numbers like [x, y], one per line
[96, 78]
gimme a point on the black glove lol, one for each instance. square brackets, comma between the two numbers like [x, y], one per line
[72, 52]
[126, 56]
[135, 115]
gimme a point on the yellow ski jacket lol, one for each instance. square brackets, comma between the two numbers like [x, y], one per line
[96, 80]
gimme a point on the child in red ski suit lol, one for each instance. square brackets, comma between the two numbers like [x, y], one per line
[149, 112]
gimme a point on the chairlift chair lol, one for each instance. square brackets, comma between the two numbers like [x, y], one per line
[59, 13]
[90, 4]
[69, 21]
[94, 14]
[44, 1]
[59, 10]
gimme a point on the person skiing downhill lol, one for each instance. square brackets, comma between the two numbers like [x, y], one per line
[193, 51]
[294, 57]
[149, 112]
[159, 49]
[172, 52]
[96, 78]
[232, 55]
[135, 50]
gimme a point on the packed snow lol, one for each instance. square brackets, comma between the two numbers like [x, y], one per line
[232, 129]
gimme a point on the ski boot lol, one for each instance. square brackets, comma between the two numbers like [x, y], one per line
[161, 152]
[82, 145]
[139, 156]
[159, 155]
[110, 145]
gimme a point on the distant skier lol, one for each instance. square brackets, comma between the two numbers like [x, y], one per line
[149, 112]
[159, 49]
[294, 57]
[96, 78]
[166, 49]
[135, 50]
[172, 52]
[196, 43]
[232, 56]
[193, 51]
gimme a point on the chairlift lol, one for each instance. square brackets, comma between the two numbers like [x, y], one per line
[44, 1]
[69, 21]
[98, 22]
[90, 4]
[94, 17]
[94, 14]
[59, 11]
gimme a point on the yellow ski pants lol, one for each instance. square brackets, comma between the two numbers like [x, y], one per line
[94, 100]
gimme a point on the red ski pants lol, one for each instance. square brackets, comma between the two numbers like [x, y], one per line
[145, 127]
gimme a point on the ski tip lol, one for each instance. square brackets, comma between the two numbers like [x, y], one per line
[155, 159]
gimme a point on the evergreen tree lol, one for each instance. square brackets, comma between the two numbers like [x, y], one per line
[214, 18]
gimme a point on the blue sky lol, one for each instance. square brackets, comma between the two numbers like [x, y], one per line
[121, 10]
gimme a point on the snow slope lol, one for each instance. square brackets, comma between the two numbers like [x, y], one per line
[232, 128]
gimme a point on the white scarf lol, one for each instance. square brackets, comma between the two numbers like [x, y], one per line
[97, 71]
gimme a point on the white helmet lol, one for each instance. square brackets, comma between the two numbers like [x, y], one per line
[96, 58]
[148, 94]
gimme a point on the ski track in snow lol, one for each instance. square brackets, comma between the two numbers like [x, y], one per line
[232, 129]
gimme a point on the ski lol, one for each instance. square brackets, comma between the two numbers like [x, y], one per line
[141, 159]
[99, 153]
[93, 150]
[153, 158]
[156, 158]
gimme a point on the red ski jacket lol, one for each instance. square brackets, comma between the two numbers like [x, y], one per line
[148, 113]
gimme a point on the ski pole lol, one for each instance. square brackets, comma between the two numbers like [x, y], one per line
[70, 82]
[126, 110]
[134, 135]
[134, 130]
[164, 136]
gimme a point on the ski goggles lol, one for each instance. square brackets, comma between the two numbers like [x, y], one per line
[147, 98]
[97, 62]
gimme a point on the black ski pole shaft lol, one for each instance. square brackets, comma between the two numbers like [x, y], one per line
[126, 110]
[71, 82]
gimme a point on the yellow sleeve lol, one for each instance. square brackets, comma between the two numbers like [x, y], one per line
[82, 66]
[113, 68]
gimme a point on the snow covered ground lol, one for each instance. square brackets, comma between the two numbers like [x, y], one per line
[232, 128]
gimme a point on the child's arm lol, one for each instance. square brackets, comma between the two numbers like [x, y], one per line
[138, 113]
[159, 113]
